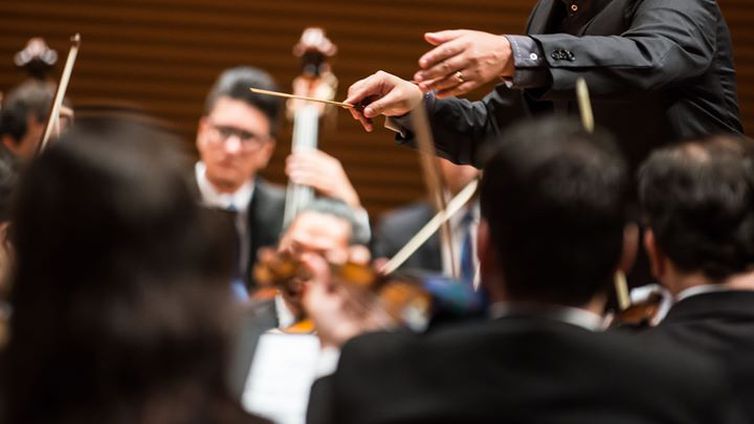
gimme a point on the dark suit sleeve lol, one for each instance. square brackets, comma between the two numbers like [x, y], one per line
[320, 408]
[461, 127]
[668, 41]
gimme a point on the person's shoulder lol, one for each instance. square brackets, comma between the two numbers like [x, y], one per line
[414, 214]
[661, 364]
[412, 210]
[388, 345]
[268, 190]
[268, 201]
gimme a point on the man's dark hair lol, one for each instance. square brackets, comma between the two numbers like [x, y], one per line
[32, 98]
[698, 199]
[235, 83]
[555, 197]
[120, 292]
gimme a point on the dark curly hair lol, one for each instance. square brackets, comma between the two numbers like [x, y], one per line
[698, 199]
[555, 200]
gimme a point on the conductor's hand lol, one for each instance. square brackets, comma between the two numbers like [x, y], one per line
[462, 61]
[382, 94]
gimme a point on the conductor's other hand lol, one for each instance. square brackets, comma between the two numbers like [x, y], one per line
[382, 94]
[462, 61]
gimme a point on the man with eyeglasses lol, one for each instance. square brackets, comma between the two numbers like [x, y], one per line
[235, 140]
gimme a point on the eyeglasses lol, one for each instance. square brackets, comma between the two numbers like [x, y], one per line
[249, 140]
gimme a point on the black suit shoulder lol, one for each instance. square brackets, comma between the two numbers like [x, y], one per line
[715, 324]
[267, 206]
[520, 370]
[397, 227]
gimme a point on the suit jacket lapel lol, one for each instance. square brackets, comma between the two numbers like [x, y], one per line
[540, 17]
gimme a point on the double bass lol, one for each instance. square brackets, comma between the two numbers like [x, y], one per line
[314, 50]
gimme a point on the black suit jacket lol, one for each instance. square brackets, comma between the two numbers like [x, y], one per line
[658, 71]
[719, 325]
[517, 370]
[398, 227]
[255, 319]
[265, 220]
[265, 215]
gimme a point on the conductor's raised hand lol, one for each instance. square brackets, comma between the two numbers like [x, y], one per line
[382, 94]
[462, 61]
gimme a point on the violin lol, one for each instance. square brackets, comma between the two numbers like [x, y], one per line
[405, 300]
[644, 312]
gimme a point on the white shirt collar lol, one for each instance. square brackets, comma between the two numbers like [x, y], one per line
[701, 289]
[239, 199]
[566, 314]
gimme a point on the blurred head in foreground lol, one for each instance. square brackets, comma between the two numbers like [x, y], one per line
[553, 200]
[120, 302]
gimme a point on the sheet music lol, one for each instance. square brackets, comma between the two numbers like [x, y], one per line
[281, 376]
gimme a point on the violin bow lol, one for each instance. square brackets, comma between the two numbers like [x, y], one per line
[587, 120]
[433, 179]
[431, 227]
[53, 120]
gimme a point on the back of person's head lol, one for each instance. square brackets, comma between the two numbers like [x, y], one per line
[554, 198]
[120, 295]
[235, 83]
[698, 199]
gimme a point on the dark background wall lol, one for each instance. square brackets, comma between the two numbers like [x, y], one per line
[164, 55]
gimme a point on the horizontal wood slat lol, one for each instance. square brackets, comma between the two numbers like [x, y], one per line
[164, 55]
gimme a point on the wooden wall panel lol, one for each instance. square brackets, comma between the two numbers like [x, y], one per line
[164, 55]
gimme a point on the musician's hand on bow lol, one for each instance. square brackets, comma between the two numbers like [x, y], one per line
[462, 61]
[382, 94]
[322, 172]
[326, 305]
